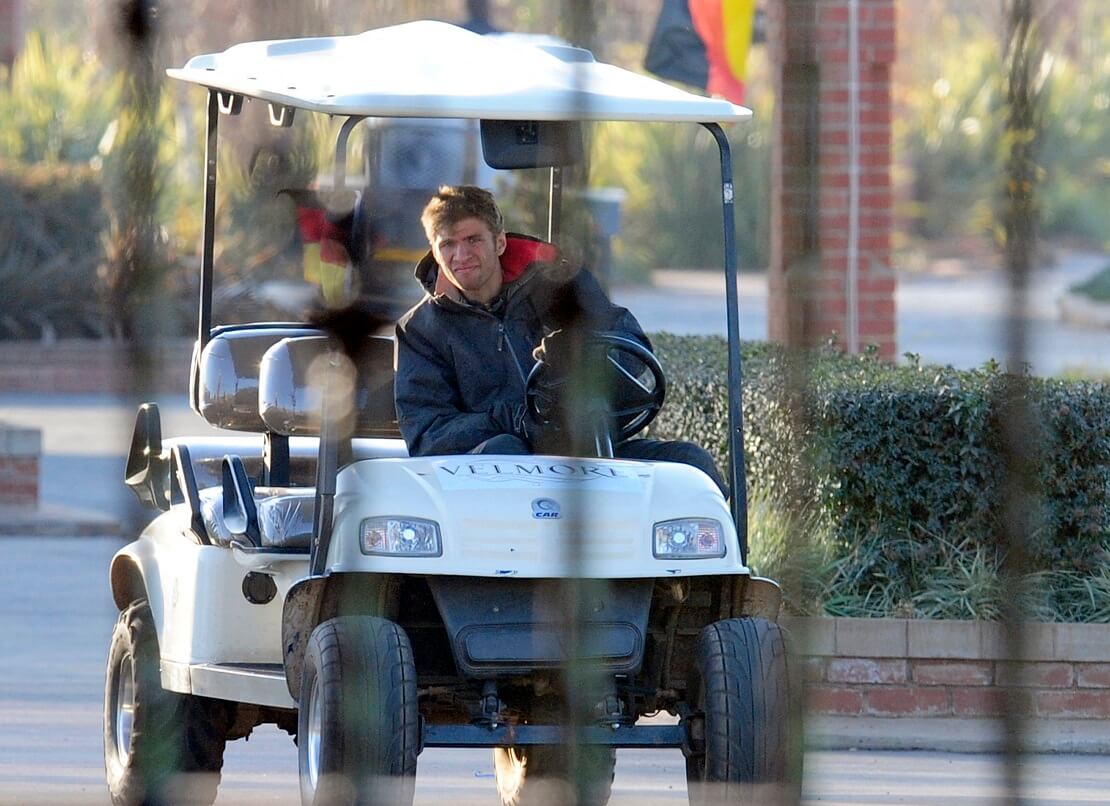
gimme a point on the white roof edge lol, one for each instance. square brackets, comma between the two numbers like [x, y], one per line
[434, 69]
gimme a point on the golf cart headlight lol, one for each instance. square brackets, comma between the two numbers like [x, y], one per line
[400, 537]
[689, 539]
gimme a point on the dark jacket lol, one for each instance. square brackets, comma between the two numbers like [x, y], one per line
[461, 368]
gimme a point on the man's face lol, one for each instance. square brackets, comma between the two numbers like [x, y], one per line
[469, 254]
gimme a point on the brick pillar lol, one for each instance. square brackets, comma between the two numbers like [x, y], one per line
[19, 466]
[811, 230]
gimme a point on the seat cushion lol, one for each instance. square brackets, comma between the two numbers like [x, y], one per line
[285, 516]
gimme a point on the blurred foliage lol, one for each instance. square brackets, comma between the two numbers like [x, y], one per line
[895, 476]
[1075, 142]
[944, 135]
[672, 214]
[56, 104]
[951, 119]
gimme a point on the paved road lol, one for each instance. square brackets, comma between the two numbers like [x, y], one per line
[955, 317]
[57, 616]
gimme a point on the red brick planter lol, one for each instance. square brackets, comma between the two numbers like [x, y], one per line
[19, 466]
[894, 668]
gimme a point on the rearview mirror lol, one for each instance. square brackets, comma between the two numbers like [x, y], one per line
[147, 471]
[510, 144]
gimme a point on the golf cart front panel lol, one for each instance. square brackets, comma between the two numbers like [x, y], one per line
[517, 627]
[199, 601]
[513, 516]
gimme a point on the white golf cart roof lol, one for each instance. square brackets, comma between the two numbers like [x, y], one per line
[435, 69]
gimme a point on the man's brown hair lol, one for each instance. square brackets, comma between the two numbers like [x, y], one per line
[453, 203]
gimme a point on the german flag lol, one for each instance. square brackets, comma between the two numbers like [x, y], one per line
[704, 43]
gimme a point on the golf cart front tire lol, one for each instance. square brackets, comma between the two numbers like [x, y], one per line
[358, 725]
[746, 723]
[159, 746]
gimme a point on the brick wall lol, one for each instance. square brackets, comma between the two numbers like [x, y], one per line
[809, 276]
[90, 366]
[19, 466]
[893, 668]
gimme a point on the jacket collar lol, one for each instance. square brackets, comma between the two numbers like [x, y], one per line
[522, 252]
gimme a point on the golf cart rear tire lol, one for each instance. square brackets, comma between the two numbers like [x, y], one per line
[746, 722]
[537, 775]
[358, 726]
[176, 747]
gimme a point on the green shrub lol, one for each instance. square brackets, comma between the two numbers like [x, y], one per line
[1097, 287]
[56, 104]
[895, 469]
[50, 220]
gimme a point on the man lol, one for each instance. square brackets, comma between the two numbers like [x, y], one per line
[465, 351]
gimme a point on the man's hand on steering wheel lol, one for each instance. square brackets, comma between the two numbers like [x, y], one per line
[634, 396]
[556, 353]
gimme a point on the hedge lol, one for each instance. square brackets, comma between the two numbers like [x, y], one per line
[904, 460]
[51, 221]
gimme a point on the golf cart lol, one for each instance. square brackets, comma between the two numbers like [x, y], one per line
[310, 574]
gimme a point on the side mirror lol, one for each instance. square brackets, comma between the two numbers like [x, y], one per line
[147, 470]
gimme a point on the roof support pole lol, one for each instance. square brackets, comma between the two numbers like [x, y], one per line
[737, 476]
[204, 326]
[327, 467]
[341, 150]
[555, 204]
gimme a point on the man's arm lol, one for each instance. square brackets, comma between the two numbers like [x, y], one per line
[597, 313]
[429, 407]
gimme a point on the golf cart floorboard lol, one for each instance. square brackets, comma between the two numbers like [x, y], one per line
[257, 683]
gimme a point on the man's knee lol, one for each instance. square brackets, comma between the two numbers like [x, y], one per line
[504, 444]
[691, 454]
[686, 453]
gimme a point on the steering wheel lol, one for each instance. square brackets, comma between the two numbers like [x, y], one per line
[635, 395]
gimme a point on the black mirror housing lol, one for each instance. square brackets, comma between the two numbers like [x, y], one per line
[147, 472]
[508, 144]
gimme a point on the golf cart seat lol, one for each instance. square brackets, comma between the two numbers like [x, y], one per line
[292, 375]
[226, 373]
[291, 378]
[260, 379]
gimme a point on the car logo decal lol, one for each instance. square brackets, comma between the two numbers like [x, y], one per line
[545, 508]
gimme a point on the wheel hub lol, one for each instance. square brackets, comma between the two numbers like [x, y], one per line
[315, 729]
[124, 709]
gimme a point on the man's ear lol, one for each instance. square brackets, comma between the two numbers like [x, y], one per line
[500, 242]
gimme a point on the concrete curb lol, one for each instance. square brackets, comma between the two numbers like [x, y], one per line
[55, 521]
[954, 735]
